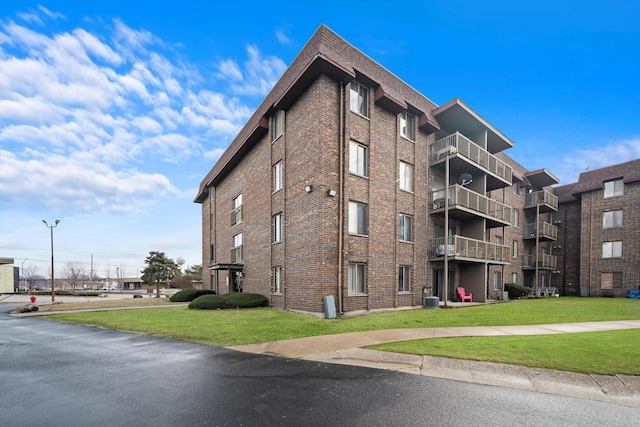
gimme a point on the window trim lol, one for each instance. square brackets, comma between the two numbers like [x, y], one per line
[408, 120]
[402, 176]
[361, 101]
[357, 285]
[402, 228]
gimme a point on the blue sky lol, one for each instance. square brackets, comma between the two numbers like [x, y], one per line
[112, 112]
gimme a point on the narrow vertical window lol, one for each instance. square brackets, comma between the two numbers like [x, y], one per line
[277, 280]
[212, 224]
[277, 176]
[277, 228]
[514, 278]
[357, 282]
[358, 98]
[357, 218]
[405, 229]
[236, 248]
[514, 249]
[516, 218]
[405, 178]
[404, 279]
[278, 124]
[357, 159]
[236, 210]
[406, 125]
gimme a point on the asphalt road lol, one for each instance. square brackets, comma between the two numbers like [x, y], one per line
[54, 374]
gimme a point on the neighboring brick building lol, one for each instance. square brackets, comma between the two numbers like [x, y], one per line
[600, 232]
[336, 187]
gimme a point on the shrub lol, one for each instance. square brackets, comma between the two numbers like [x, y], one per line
[208, 302]
[232, 300]
[187, 295]
[516, 291]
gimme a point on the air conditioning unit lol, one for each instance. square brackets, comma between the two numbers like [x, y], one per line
[557, 221]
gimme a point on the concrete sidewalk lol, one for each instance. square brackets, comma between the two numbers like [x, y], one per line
[347, 349]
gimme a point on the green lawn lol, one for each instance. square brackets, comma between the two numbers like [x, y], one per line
[236, 327]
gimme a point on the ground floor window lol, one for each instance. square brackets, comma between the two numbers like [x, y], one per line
[514, 278]
[277, 280]
[611, 280]
[357, 281]
[404, 279]
[497, 281]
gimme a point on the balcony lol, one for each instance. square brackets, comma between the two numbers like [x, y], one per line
[543, 198]
[464, 153]
[546, 232]
[545, 262]
[472, 250]
[464, 203]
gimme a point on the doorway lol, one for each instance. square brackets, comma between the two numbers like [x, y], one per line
[438, 284]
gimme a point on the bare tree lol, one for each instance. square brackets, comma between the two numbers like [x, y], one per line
[75, 274]
[30, 272]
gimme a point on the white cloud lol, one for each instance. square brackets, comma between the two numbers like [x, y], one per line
[258, 76]
[282, 37]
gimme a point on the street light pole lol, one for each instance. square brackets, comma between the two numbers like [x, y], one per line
[51, 227]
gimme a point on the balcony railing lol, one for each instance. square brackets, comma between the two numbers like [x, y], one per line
[460, 196]
[548, 262]
[545, 230]
[460, 144]
[236, 254]
[543, 198]
[464, 247]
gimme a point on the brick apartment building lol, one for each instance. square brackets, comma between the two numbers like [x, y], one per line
[599, 232]
[346, 182]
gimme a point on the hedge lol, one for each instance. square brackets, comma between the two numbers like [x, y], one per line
[232, 300]
[187, 295]
[516, 291]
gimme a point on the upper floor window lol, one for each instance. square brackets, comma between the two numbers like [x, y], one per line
[356, 279]
[405, 178]
[613, 188]
[498, 240]
[357, 159]
[358, 95]
[277, 176]
[236, 248]
[611, 249]
[277, 280]
[236, 211]
[277, 228]
[357, 218]
[405, 230]
[404, 279]
[514, 249]
[516, 218]
[406, 125]
[212, 193]
[278, 124]
[612, 219]
[516, 188]
[212, 225]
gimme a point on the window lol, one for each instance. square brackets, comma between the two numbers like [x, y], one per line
[357, 218]
[356, 278]
[277, 280]
[236, 249]
[497, 281]
[212, 253]
[612, 219]
[358, 98]
[405, 230]
[516, 188]
[612, 250]
[404, 279]
[406, 176]
[611, 280]
[277, 176]
[406, 125]
[236, 212]
[212, 225]
[278, 124]
[514, 277]
[516, 218]
[514, 249]
[212, 193]
[277, 228]
[498, 240]
[357, 159]
[613, 188]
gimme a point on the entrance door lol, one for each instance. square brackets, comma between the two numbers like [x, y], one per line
[438, 284]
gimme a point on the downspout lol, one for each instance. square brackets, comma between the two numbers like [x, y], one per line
[340, 192]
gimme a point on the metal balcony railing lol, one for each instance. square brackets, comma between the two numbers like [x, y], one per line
[460, 144]
[465, 247]
[460, 196]
[548, 262]
[542, 197]
[545, 230]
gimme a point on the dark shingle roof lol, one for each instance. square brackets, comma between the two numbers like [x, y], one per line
[593, 180]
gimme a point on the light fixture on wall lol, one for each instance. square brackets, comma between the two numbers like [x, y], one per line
[330, 191]
[308, 188]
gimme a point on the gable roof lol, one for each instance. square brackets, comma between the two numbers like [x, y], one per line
[593, 180]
